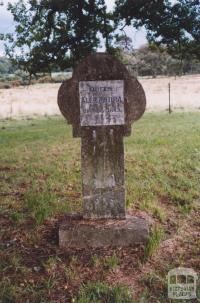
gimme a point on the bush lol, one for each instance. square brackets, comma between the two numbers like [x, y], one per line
[5, 85]
[44, 79]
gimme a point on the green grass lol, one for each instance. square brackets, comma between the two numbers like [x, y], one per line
[39, 168]
[111, 262]
[100, 292]
[40, 179]
[163, 160]
[155, 238]
[40, 165]
[108, 263]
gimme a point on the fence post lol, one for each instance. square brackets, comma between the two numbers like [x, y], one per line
[169, 87]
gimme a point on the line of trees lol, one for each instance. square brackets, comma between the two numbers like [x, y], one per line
[148, 60]
[53, 34]
[152, 60]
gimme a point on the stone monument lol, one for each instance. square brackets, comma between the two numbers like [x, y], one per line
[101, 101]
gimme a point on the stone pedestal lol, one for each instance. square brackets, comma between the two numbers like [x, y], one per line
[83, 233]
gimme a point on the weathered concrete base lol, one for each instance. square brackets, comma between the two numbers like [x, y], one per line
[84, 233]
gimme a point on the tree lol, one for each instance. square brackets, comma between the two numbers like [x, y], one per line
[175, 25]
[6, 66]
[50, 32]
[151, 60]
[189, 12]
[124, 43]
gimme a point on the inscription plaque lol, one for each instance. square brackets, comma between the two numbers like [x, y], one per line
[101, 102]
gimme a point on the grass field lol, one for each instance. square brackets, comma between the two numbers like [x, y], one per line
[41, 99]
[40, 181]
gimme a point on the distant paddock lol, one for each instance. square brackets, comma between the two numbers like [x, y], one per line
[41, 99]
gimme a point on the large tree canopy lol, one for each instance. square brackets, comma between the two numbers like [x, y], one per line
[50, 32]
[60, 32]
[175, 25]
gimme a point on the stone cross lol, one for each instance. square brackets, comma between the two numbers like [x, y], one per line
[101, 101]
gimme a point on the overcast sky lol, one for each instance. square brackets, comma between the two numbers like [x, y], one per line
[7, 25]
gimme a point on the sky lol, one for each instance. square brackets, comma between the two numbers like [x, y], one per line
[7, 25]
